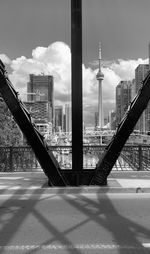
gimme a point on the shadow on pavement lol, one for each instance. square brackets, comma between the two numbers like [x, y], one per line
[101, 211]
[104, 214]
[17, 211]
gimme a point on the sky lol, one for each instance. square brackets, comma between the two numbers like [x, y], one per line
[35, 37]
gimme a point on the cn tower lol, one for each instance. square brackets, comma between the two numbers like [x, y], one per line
[100, 77]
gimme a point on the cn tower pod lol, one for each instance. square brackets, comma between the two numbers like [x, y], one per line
[100, 76]
[22, 117]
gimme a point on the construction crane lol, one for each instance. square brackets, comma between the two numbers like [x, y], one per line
[22, 117]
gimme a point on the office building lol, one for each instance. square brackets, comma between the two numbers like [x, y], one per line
[40, 110]
[143, 124]
[68, 125]
[41, 114]
[140, 74]
[41, 88]
[133, 90]
[112, 120]
[58, 118]
[44, 127]
[123, 99]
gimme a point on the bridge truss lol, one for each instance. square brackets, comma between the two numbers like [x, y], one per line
[50, 166]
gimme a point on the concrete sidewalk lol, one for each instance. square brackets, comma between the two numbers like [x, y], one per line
[37, 183]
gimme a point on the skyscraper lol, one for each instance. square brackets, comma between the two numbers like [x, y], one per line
[143, 124]
[140, 74]
[68, 118]
[41, 88]
[58, 118]
[112, 120]
[123, 99]
[40, 110]
[100, 77]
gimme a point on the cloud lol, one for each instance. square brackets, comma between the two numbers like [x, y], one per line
[55, 60]
[113, 72]
[125, 69]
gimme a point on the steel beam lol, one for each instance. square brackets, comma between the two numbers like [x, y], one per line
[76, 50]
[22, 117]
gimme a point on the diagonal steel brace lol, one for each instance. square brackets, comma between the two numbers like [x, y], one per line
[22, 117]
[125, 128]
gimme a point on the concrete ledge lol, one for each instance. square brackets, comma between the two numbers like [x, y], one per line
[21, 183]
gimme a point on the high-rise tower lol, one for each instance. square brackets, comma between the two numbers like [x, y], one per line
[100, 77]
[40, 88]
[143, 124]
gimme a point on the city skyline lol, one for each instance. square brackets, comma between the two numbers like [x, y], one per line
[35, 38]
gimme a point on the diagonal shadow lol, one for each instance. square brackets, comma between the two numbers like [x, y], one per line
[124, 237]
[91, 208]
[59, 236]
[129, 229]
[18, 209]
[19, 214]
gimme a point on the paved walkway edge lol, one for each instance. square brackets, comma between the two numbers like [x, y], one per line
[72, 191]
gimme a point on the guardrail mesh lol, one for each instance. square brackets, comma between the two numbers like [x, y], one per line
[23, 159]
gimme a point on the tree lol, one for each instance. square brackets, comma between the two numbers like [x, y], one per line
[10, 135]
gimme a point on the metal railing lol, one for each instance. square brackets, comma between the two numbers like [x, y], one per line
[135, 157]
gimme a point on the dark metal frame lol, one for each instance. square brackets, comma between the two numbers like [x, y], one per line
[76, 48]
[125, 128]
[45, 157]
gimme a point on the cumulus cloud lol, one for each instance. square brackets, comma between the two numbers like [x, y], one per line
[55, 60]
[113, 72]
[125, 69]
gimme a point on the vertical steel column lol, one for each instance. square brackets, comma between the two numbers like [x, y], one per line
[76, 48]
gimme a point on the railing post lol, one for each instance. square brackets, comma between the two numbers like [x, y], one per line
[10, 159]
[140, 157]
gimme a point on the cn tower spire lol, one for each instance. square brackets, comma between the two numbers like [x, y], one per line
[100, 78]
[100, 53]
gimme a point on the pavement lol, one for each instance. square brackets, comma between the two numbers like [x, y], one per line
[36, 182]
[38, 219]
